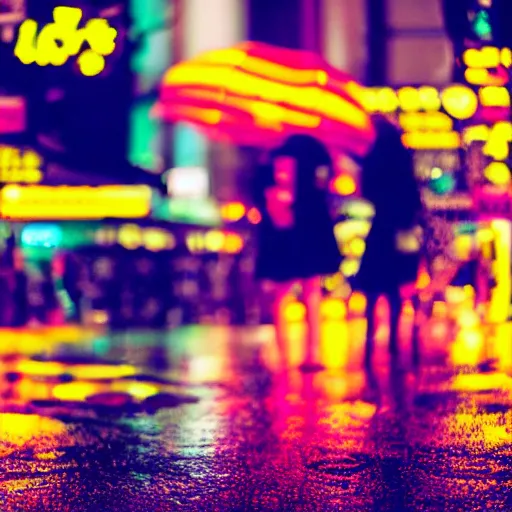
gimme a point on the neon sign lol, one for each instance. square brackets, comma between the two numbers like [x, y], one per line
[487, 66]
[80, 202]
[420, 113]
[19, 166]
[62, 39]
[488, 69]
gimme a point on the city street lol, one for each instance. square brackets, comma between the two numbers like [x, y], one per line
[200, 420]
[178, 175]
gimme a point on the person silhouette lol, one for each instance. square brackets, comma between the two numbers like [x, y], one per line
[296, 240]
[388, 182]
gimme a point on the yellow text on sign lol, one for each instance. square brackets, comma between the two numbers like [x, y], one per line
[19, 166]
[62, 39]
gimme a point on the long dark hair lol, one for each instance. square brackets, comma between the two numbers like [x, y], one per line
[388, 179]
[310, 154]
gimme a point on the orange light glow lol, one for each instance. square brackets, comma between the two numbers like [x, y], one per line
[295, 312]
[233, 243]
[22, 429]
[130, 236]
[335, 351]
[214, 241]
[40, 368]
[333, 309]
[423, 279]
[500, 301]
[357, 304]
[344, 185]
[43, 202]
[232, 212]
[158, 240]
[254, 216]
[76, 391]
[101, 372]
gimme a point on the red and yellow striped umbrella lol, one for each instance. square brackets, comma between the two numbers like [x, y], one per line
[257, 94]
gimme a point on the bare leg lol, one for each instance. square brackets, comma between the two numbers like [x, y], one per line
[423, 305]
[281, 293]
[312, 299]
[371, 303]
[395, 309]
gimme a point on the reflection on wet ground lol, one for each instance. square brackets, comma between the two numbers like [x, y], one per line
[200, 420]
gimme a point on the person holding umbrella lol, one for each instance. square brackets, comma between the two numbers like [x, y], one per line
[254, 95]
[296, 241]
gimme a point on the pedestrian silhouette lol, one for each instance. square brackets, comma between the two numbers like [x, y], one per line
[388, 182]
[296, 240]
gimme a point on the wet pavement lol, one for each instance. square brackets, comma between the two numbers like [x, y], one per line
[200, 420]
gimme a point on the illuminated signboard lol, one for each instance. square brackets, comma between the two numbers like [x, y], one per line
[426, 114]
[41, 202]
[19, 165]
[62, 39]
[490, 132]
[12, 115]
[487, 66]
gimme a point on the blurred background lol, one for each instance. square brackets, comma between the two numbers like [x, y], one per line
[172, 241]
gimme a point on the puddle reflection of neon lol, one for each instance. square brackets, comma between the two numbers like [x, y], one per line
[62, 39]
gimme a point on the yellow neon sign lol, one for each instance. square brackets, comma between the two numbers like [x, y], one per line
[487, 57]
[498, 173]
[475, 133]
[431, 140]
[497, 145]
[459, 101]
[19, 166]
[429, 121]
[42, 202]
[493, 96]
[62, 39]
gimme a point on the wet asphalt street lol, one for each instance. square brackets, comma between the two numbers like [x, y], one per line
[200, 420]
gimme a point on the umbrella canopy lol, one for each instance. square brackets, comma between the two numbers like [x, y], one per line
[257, 95]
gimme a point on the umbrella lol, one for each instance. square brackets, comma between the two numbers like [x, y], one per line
[257, 95]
